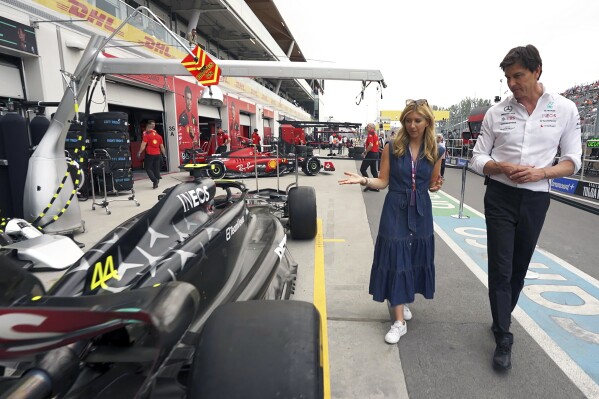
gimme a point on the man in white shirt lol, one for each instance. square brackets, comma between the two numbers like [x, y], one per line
[516, 149]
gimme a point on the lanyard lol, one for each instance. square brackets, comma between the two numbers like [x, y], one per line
[414, 166]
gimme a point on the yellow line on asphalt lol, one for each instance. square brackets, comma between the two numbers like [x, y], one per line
[320, 301]
[334, 240]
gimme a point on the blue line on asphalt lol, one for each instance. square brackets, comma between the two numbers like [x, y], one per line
[563, 301]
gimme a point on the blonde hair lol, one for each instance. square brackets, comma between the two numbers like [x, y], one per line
[401, 141]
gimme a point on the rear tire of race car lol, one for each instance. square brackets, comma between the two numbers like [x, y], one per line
[311, 167]
[302, 212]
[217, 171]
[258, 349]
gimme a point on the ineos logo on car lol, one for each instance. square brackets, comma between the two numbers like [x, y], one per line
[194, 198]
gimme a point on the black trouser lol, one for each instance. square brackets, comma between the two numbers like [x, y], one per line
[442, 167]
[370, 161]
[152, 166]
[514, 218]
[221, 148]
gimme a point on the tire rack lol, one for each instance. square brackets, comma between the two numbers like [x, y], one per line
[110, 165]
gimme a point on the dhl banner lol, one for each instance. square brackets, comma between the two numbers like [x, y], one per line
[204, 69]
[103, 20]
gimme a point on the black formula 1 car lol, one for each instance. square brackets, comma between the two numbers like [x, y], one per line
[155, 309]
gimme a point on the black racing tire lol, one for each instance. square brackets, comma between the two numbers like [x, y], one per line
[119, 158]
[108, 122]
[258, 349]
[311, 166]
[76, 126]
[302, 212]
[218, 170]
[101, 140]
[72, 141]
[301, 150]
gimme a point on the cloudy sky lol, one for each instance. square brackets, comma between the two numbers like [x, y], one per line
[440, 50]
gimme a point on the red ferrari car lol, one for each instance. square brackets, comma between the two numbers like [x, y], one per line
[245, 162]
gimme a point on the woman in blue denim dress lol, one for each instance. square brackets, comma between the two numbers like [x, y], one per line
[403, 263]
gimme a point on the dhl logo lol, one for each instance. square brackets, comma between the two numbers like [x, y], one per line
[109, 23]
[93, 15]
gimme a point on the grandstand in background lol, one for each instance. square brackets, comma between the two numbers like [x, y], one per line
[586, 97]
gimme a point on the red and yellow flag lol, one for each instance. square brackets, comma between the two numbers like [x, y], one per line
[204, 69]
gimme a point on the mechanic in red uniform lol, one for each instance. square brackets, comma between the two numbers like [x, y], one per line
[153, 145]
[371, 154]
[222, 140]
[256, 140]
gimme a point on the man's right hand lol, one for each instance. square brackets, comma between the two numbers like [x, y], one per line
[508, 168]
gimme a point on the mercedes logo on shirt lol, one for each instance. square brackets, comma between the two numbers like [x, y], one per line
[508, 108]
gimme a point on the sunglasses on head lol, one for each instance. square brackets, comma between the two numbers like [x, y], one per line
[422, 101]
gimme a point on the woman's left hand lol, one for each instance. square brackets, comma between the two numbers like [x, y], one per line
[353, 178]
[436, 186]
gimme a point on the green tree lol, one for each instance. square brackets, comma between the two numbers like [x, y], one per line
[466, 105]
[458, 113]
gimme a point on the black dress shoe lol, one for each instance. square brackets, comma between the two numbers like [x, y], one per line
[155, 185]
[366, 189]
[502, 358]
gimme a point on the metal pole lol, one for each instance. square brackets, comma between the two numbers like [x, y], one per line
[296, 170]
[460, 214]
[277, 149]
[584, 150]
[256, 168]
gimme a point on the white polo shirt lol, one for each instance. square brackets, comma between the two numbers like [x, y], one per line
[509, 134]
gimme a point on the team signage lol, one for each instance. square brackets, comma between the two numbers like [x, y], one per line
[202, 67]
[104, 20]
[585, 189]
[17, 36]
[593, 144]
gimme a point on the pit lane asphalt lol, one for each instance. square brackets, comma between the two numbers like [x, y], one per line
[447, 350]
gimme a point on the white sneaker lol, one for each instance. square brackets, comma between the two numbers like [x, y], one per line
[407, 313]
[395, 332]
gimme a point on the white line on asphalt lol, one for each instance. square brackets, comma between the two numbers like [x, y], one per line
[578, 376]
